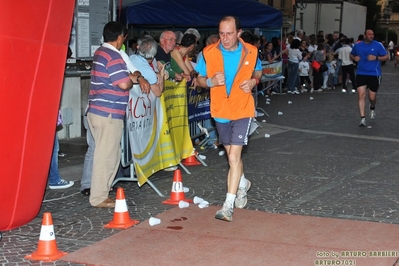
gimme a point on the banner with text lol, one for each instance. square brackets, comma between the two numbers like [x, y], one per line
[175, 98]
[198, 104]
[272, 70]
[158, 129]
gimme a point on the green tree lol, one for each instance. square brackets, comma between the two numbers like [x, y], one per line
[373, 13]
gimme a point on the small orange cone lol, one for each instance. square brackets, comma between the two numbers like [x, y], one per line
[177, 192]
[47, 246]
[191, 161]
[121, 215]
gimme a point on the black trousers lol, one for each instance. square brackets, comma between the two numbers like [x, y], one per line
[349, 69]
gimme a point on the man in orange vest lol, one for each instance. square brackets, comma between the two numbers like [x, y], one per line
[231, 69]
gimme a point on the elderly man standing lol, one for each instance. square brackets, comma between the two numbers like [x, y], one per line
[231, 69]
[110, 82]
[167, 42]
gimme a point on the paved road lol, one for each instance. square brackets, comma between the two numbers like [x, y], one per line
[317, 162]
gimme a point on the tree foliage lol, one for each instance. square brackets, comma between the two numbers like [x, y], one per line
[373, 13]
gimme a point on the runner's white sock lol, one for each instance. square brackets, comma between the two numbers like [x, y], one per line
[243, 181]
[231, 198]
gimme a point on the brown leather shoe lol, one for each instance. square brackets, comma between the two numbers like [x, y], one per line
[108, 203]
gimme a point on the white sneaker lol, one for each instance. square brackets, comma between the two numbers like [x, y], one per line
[296, 92]
[353, 91]
[225, 213]
[304, 90]
[62, 184]
[362, 122]
[372, 114]
[319, 90]
[344, 91]
[311, 90]
[241, 198]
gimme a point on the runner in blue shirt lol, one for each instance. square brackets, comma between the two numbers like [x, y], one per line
[368, 54]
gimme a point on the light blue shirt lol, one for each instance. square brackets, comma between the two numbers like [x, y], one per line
[231, 61]
[144, 67]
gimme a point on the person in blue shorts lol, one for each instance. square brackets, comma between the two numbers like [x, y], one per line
[231, 69]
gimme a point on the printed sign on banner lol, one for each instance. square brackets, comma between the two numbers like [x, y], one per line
[158, 129]
[150, 141]
[198, 104]
[175, 95]
[272, 70]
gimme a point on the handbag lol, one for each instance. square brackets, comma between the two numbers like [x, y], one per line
[316, 65]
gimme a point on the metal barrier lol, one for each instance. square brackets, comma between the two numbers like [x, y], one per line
[203, 128]
[127, 160]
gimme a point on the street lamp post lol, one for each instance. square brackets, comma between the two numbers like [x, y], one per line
[301, 4]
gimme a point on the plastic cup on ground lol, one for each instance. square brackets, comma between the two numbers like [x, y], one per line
[202, 157]
[183, 204]
[203, 204]
[154, 221]
[197, 200]
[186, 189]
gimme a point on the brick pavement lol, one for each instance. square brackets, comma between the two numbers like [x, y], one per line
[317, 162]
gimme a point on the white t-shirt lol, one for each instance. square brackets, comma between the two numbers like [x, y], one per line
[304, 68]
[391, 45]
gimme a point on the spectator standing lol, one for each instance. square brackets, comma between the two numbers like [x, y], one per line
[319, 56]
[110, 82]
[54, 179]
[347, 66]
[143, 60]
[180, 61]
[304, 69]
[167, 42]
[294, 57]
[391, 47]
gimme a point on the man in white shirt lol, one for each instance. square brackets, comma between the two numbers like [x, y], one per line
[391, 46]
[347, 65]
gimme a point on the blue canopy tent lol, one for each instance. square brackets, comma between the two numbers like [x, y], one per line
[201, 14]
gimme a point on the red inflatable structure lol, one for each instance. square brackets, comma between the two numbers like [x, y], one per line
[34, 38]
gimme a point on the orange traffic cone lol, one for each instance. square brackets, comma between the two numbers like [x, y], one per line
[121, 215]
[47, 246]
[177, 193]
[191, 161]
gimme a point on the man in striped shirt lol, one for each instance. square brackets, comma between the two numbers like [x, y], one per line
[108, 97]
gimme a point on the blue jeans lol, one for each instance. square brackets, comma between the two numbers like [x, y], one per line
[292, 75]
[336, 74]
[54, 174]
[88, 162]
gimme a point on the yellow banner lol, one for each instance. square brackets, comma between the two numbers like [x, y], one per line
[175, 98]
[158, 129]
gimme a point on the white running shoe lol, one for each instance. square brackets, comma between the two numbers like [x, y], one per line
[362, 122]
[241, 198]
[225, 213]
[372, 114]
